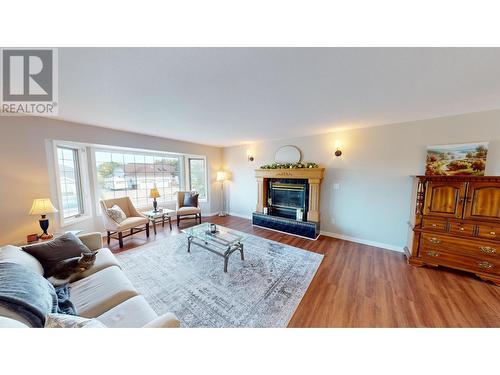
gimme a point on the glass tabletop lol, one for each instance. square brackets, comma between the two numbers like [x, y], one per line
[159, 214]
[222, 237]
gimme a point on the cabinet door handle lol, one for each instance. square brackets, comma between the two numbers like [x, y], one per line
[485, 265]
[432, 253]
[434, 240]
[493, 233]
[488, 250]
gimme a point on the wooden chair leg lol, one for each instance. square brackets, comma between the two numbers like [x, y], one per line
[199, 216]
[120, 239]
[109, 237]
[147, 230]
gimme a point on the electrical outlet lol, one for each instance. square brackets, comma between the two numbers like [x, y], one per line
[336, 186]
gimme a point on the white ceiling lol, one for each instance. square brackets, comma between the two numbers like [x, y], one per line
[229, 96]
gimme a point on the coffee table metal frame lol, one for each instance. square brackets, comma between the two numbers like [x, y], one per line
[221, 250]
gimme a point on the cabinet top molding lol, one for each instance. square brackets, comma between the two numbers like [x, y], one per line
[458, 178]
[304, 173]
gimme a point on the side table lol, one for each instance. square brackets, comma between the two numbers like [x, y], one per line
[159, 217]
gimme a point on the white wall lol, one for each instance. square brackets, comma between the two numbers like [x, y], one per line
[373, 202]
[24, 168]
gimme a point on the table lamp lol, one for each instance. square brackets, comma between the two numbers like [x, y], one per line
[221, 177]
[43, 206]
[154, 193]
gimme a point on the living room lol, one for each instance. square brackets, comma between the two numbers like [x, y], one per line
[253, 187]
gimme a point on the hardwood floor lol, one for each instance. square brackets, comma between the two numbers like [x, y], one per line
[363, 286]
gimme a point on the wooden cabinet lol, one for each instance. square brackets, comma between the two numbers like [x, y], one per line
[483, 201]
[445, 199]
[456, 224]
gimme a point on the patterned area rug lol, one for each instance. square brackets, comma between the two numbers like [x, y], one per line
[261, 291]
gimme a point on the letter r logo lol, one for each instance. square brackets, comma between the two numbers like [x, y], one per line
[27, 75]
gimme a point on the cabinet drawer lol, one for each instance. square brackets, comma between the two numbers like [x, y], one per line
[460, 245]
[434, 224]
[467, 263]
[461, 228]
[488, 231]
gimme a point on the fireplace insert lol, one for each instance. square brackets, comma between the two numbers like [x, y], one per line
[286, 196]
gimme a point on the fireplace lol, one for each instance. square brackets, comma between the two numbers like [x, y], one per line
[286, 196]
[280, 192]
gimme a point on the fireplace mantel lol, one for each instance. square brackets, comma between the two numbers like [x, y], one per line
[312, 175]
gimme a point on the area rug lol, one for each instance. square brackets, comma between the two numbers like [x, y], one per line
[261, 291]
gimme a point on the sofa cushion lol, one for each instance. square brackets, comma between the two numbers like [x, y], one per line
[11, 323]
[14, 254]
[100, 292]
[92, 240]
[133, 313]
[71, 321]
[10, 314]
[52, 252]
[103, 259]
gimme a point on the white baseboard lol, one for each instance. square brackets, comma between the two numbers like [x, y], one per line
[363, 241]
[342, 237]
[249, 217]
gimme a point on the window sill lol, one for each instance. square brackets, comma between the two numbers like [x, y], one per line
[69, 222]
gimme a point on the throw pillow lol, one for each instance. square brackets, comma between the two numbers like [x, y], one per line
[116, 213]
[52, 252]
[71, 321]
[14, 254]
[190, 200]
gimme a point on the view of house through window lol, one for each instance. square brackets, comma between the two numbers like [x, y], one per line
[197, 176]
[130, 174]
[69, 182]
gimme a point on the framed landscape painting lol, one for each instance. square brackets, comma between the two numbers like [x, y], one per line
[457, 160]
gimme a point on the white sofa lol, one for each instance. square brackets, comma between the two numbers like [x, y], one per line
[102, 292]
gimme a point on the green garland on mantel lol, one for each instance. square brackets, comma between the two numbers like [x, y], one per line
[289, 166]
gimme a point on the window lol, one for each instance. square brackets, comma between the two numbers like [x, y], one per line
[70, 184]
[197, 176]
[133, 174]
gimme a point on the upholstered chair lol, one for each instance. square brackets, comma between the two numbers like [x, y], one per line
[135, 221]
[187, 211]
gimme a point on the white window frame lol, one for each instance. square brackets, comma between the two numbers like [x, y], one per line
[104, 148]
[84, 183]
[188, 173]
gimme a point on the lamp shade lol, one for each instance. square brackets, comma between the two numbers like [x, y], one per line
[221, 176]
[154, 193]
[42, 206]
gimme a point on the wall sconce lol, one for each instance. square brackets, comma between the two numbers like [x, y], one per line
[250, 156]
[338, 145]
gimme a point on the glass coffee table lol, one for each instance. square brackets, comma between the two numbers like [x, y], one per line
[223, 242]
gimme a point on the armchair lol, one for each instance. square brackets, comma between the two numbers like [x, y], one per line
[134, 221]
[186, 211]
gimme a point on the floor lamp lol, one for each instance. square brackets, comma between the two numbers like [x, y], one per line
[221, 177]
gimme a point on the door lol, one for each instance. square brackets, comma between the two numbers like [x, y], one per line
[445, 198]
[483, 201]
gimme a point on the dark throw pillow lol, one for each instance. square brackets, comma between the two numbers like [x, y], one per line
[52, 252]
[190, 200]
